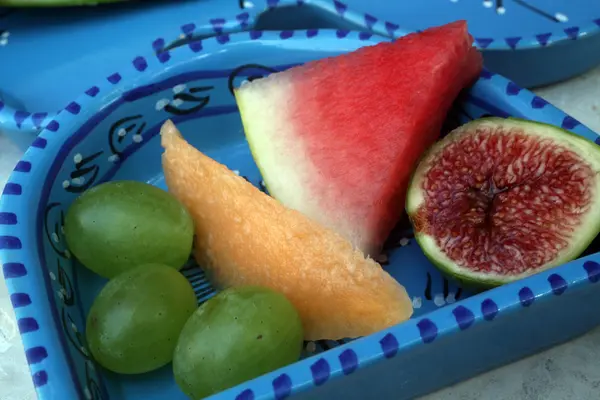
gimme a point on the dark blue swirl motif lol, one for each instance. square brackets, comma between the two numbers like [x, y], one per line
[123, 132]
[53, 226]
[188, 100]
[247, 72]
[557, 17]
[84, 174]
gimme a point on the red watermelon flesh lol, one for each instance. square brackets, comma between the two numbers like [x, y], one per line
[338, 138]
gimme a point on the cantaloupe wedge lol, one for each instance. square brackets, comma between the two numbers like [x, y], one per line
[245, 237]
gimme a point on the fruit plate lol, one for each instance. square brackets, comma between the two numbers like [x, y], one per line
[110, 132]
[530, 41]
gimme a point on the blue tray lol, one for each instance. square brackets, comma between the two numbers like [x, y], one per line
[55, 53]
[110, 132]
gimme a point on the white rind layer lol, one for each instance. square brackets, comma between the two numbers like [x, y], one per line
[586, 149]
[284, 162]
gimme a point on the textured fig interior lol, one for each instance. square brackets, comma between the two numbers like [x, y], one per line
[505, 202]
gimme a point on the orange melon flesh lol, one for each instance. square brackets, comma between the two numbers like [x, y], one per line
[244, 237]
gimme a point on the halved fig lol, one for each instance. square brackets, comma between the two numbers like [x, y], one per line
[501, 199]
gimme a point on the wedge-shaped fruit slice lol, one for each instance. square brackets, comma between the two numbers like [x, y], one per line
[338, 138]
[500, 199]
[244, 237]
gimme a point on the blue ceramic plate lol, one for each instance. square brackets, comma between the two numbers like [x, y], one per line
[110, 132]
[50, 55]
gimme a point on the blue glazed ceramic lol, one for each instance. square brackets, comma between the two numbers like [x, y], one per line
[530, 41]
[110, 132]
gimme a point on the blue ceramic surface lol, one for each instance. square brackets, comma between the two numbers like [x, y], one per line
[532, 42]
[52, 54]
[110, 132]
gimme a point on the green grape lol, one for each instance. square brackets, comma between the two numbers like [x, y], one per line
[238, 335]
[119, 225]
[136, 319]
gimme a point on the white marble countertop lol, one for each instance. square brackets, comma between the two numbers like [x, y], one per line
[569, 371]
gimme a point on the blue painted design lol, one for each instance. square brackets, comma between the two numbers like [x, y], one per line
[247, 394]
[8, 218]
[597, 21]
[427, 330]
[1, 106]
[272, 3]
[10, 243]
[39, 143]
[20, 300]
[365, 35]
[195, 46]
[592, 268]
[222, 39]
[140, 63]
[526, 297]
[286, 34]
[158, 45]
[512, 89]
[464, 317]
[391, 28]
[513, 41]
[538, 102]
[370, 21]
[12, 189]
[20, 117]
[489, 309]
[340, 7]
[255, 35]
[40, 378]
[53, 125]
[35, 355]
[188, 29]
[558, 284]
[320, 372]
[349, 361]
[597, 140]
[569, 122]
[73, 107]
[243, 19]
[114, 78]
[38, 118]
[23, 166]
[311, 33]
[389, 345]
[282, 386]
[217, 24]
[341, 33]
[27, 325]
[483, 42]
[572, 32]
[93, 91]
[13, 270]
[543, 38]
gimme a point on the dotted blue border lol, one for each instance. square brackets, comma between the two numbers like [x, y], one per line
[30, 301]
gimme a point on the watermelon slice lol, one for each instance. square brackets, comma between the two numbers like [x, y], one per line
[337, 139]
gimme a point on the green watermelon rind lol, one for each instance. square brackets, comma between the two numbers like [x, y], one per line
[250, 138]
[587, 149]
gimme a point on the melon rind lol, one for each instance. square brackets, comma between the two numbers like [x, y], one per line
[586, 233]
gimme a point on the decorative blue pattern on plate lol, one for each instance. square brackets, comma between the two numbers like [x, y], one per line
[110, 132]
[555, 40]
